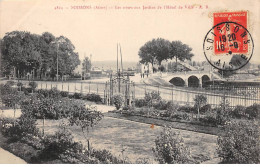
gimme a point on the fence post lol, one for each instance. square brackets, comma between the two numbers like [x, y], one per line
[89, 87]
[68, 87]
[46, 86]
[75, 87]
[97, 88]
[62, 86]
[172, 93]
[81, 87]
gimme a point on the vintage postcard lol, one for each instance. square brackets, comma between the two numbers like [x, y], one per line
[129, 82]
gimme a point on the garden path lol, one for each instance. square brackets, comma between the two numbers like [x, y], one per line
[8, 158]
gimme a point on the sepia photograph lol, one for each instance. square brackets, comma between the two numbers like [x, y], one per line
[129, 82]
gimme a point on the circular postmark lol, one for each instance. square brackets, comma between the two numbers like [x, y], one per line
[228, 46]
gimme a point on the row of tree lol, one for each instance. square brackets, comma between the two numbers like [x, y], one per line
[157, 50]
[23, 53]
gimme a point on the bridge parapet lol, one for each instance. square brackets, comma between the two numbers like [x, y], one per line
[195, 78]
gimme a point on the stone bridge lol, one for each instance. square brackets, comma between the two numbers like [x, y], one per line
[188, 78]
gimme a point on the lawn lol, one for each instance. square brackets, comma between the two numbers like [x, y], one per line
[137, 139]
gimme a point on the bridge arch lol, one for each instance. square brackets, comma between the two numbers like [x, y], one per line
[204, 80]
[193, 81]
[177, 81]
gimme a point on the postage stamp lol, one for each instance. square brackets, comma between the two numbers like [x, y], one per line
[229, 45]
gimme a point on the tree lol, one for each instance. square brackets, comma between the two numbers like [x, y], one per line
[200, 100]
[154, 51]
[23, 52]
[180, 51]
[84, 117]
[86, 65]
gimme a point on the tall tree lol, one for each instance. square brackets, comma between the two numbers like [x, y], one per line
[26, 52]
[154, 51]
[86, 65]
[180, 51]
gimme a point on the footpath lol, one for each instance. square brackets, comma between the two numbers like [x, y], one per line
[9, 158]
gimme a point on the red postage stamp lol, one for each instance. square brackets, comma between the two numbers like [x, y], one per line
[230, 38]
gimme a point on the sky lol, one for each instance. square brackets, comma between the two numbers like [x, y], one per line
[97, 31]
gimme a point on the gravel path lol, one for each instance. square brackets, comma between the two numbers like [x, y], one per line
[9, 158]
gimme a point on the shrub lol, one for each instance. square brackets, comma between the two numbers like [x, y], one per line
[200, 100]
[171, 107]
[209, 120]
[170, 148]
[151, 98]
[59, 143]
[77, 95]
[13, 98]
[27, 91]
[105, 157]
[20, 85]
[140, 103]
[253, 111]
[187, 109]
[118, 101]
[33, 85]
[64, 94]
[205, 108]
[10, 83]
[54, 93]
[16, 129]
[161, 105]
[238, 112]
[180, 116]
[240, 143]
[92, 97]
[43, 92]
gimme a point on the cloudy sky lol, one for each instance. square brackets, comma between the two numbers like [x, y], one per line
[97, 31]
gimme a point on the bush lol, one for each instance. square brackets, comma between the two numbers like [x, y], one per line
[238, 112]
[253, 111]
[170, 148]
[140, 103]
[16, 129]
[77, 95]
[205, 108]
[54, 93]
[20, 85]
[209, 120]
[33, 85]
[105, 157]
[43, 92]
[13, 98]
[118, 101]
[64, 94]
[161, 105]
[10, 83]
[171, 107]
[181, 116]
[223, 112]
[92, 97]
[187, 109]
[61, 143]
[240, 143]
[152, 98]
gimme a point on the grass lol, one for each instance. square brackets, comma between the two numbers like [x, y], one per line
[178, 124]
[137, 139]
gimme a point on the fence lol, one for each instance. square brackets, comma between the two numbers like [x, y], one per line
[244, 96]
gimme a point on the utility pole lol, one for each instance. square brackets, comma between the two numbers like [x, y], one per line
[57, 62]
